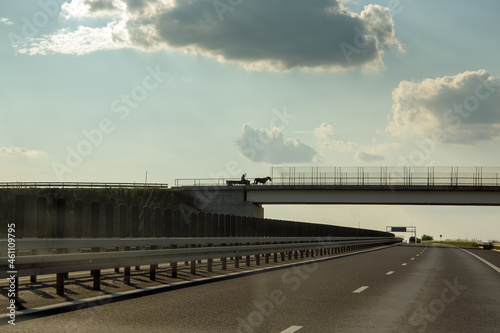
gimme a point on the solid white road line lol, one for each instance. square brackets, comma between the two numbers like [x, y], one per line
[292, 329]
[389, 273]
[361, 289]
[485, 261]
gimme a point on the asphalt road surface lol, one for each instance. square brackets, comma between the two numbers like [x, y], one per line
[406, 288]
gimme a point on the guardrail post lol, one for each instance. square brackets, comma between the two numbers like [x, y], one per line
[174, 265]
[126, 270]
[224, 260]
[97, 279]
[193, 262]
[153, 267]
[236, 259]
[247, 263]
[60, 283]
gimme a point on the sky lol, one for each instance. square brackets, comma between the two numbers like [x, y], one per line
[121, 90]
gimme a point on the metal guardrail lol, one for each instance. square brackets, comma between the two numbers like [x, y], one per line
[72, 255]
[78, 185]
[427, 176]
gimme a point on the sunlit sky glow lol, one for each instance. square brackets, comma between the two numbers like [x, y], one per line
[107, 90]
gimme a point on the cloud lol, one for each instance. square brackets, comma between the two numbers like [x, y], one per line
[256, 34]
[81, 41]
[325, 136]
[21, 152]
[368, 157]
[260, 145]
[461, 109]
[6, 21]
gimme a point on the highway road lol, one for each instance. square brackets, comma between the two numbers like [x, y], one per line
[405, 288]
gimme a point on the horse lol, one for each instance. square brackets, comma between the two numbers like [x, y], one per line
[261, 180]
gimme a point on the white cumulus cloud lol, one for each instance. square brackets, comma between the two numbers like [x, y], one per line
[261, 145]
[325, 136]
[464, 108]
[6, 21]
[19, 151]
[368, 157]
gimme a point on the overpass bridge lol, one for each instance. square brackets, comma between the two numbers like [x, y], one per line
[463, 186]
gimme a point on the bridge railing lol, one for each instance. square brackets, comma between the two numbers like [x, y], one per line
[78, 185]
[428, 176]
[202, 181]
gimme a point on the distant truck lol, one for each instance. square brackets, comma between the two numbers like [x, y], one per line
[412, 240]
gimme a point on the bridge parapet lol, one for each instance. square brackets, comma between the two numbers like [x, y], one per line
[369, 176]
[398, 175]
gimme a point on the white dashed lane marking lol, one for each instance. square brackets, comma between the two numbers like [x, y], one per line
[292, 329]
[359, 290]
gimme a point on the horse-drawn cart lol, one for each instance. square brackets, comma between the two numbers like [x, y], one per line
[237, 182]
